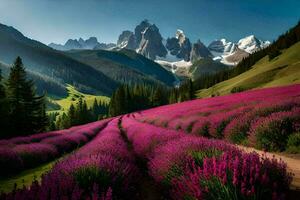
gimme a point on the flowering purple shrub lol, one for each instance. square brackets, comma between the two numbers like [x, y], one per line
[23, 153]
[35, 153]
[237, 130]
[199, 168]
[271, 133]
[32, 138]
[179, 152]
[229, 117]
[145, 138]
[245, 176]
[62, 143]
[102, 169]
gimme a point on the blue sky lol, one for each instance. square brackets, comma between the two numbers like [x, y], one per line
[58, 20]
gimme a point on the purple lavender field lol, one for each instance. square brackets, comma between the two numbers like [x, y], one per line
[186, 151]
[149, 100]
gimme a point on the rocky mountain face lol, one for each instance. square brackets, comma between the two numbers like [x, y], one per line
[90, 43]
[150, 44]
[221, 46]
[147, 40]
[179, 46]
[231, 53]
[199, 51]
[127, 40]
[250, 44]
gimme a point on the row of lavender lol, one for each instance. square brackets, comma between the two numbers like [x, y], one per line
[192, 167]
[21, 153]
[188, 167]
[102, 169]
[266, 119]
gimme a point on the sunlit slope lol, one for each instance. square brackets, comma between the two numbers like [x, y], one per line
[73, 97]
[283, 70]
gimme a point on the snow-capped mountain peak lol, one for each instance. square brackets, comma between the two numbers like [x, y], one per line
[251, 44]
[221, 46]
[224, 41]
[180, 36]
[231, 53]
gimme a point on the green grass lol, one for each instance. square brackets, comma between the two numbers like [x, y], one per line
[73, 97]
[282, 70]
[24, 178]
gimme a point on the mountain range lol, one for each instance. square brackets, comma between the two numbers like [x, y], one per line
[91, 43]
[178, 54]
[55, 69]
[146, 39]
[139, 56]
[231, 53]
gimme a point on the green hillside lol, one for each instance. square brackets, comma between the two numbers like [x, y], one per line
[124, 66]
[282, 70]
[43, 83]
[206, 66]
[44, 60]
[63, 104]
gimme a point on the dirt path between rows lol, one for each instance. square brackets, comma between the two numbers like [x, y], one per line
[293, 164]
[147, 188]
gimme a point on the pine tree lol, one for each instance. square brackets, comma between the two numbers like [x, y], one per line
[191, 90]
[86, 114]
[173, 96]
[3, 111]
[27, 113]
[95, 109]
[42, 120]
[117, 102]
[52, 119]
[63, 122]
[72, 116]
[2, 89]
[157, 97]
[99, 110]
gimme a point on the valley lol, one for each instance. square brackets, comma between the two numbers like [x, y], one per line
[146, 100]
[63, 104]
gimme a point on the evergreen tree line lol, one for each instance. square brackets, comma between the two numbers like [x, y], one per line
[22, 111]
[284, 41]
[79, 114]
[182, 93]
[130, 98]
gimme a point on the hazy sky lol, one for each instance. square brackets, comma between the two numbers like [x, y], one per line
[58, 20]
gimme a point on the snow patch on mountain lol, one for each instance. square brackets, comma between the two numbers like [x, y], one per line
[176, 66]
[251, 44]
[231, 53]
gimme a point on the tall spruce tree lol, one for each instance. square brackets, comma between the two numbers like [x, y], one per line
[27, 113]
[117, 102]
[3, 111]
[73, 119]
[157, 97]
[99, 110]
